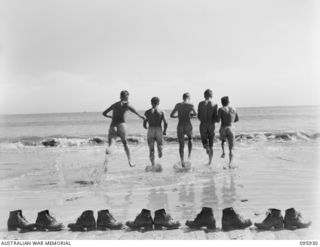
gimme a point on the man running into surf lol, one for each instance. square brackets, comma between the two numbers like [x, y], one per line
[185, 112]
[155, 118]
[208, 115]
[118, 126]
[228, 116]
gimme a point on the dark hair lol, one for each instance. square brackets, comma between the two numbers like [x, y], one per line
[225, 100]
[124, 94]
[155, 101]
[185, 96]
[208, 94]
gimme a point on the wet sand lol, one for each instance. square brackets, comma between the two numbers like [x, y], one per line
[69, 181]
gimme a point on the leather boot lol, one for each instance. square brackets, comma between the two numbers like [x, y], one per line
[107, 221]
[45, 222]
[17, 221]
[86, 222]
[274, 220]
[162, 219]
[294, 220]
[143, 220]
[232, 221]
[204, 219]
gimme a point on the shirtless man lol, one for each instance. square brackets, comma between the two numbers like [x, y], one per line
[118, 126]
[185, 112]
[208, 115]
[227, 115]
[154, 118]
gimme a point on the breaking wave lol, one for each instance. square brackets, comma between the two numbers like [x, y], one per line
[65, 141]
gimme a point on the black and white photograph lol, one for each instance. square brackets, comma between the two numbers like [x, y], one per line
[159, 120]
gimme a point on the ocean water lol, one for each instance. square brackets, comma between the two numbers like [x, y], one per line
[79, 128]
[276, 166]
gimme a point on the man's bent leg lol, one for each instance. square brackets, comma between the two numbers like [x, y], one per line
[122, 133]
[112, 136]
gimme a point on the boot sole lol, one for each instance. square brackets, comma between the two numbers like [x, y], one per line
[209, 227]
[146, 228]
[105, 228]
[82, 229]
[24, 229]
[48, 229]
[277, 227]
[231, 228]
[160, 227]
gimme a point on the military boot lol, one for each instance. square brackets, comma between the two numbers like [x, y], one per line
[162, 219]
[45, 222]
[18, 221]
[232, 221]
[143, 220]
[107, 221]
[204, 218]
[274, 220]
[294, 220]
[86, 222]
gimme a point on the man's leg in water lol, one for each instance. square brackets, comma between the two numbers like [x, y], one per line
[222, 133]
[204, 136]
[180, 132]
[210, 137]
[188, 132]
[159, 140]
[122, 133]
[222, 146]
[231, 141]
[150, 139]
[112, 136]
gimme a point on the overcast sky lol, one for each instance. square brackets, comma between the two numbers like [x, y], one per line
[71, 56]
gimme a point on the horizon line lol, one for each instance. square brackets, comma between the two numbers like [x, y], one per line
[75, 112]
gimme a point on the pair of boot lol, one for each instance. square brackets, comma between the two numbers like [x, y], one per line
[161, 219]
[291, 221]
[230, 220]
[87, 222]
[44, 222]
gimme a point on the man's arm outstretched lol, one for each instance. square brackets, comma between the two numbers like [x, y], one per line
[135, 112]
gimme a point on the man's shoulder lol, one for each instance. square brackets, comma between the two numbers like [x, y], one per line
[147, 112]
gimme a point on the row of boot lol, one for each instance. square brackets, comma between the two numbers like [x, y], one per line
[230, 221]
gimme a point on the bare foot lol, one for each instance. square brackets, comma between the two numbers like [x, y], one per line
[182, 164]
[131, 164]
[222, 155]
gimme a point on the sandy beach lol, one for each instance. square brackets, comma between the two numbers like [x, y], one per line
[266, 176]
